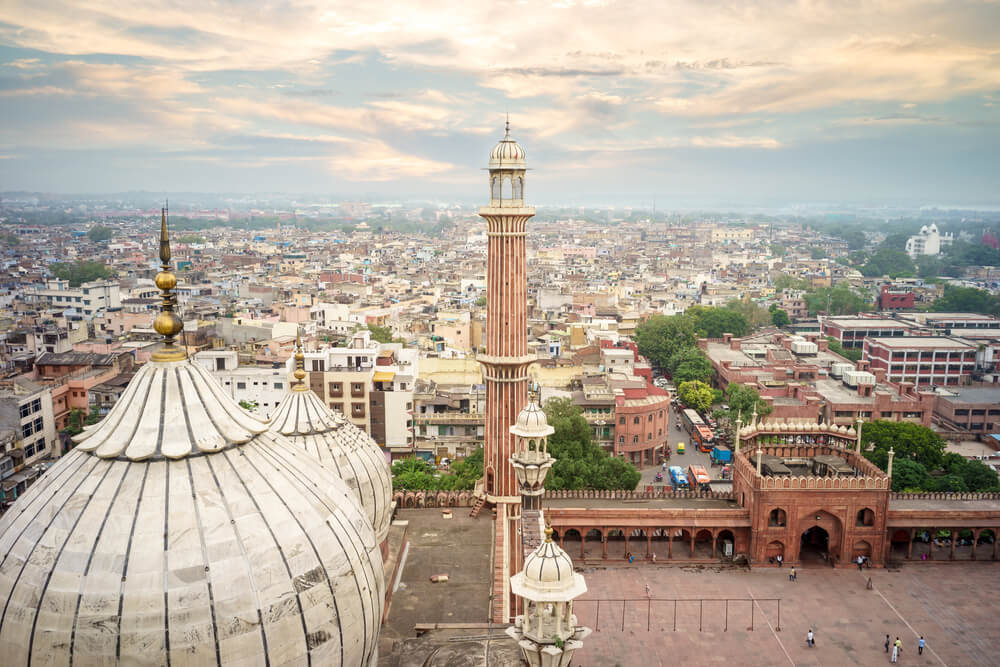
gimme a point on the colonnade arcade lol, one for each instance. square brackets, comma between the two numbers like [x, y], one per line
[942, 542]
[679, 542]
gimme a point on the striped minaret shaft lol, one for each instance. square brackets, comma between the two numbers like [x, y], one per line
[505, 365]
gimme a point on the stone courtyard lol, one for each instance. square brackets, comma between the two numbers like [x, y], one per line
[954, 606]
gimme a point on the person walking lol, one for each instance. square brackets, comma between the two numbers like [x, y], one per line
[896, 648]
[810, 639]
[792, 575]
[920, 645]
[887, 642]
[861, 562]
[779, 559]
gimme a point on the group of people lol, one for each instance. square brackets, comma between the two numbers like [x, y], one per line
[896, 647]
[892, 647]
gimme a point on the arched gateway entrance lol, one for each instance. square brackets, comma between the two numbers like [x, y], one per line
[821, 535]
[815, 546]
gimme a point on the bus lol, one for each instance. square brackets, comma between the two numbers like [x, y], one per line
[678, 478]
[701, 434]
[699, 477]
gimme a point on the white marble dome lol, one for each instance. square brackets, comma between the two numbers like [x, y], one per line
[180, 531]
[548, 574]
[507, 154]
[343, 447]
[531, 422]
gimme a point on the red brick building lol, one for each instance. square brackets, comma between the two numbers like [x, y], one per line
[641, 432]
[922, 360]
[895, 298]
[851, 332]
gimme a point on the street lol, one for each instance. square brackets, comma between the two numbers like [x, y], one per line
[692, 455]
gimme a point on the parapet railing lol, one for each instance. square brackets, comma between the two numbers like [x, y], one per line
[946, 495]
[666, 492]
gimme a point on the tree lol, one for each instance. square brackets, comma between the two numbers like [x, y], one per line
[689, 363]
[967, 300]
[779, 317]
[713, 322]
[817, 253]
[581, 463]
[661, 336]
[754, 315]
[909, 476]
[481, 302]
[381, 334]
[412, 474]
[249, 406]
[696, 395]
[785, 281]
[855, 239]
[742, 399]
[891, 262]
[837, 300]
[80, 272]
[909, 441]
[975, 475]
[99, 233]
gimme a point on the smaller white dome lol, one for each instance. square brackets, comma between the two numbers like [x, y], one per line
[532, 422]
[548, 575]
[507, 154]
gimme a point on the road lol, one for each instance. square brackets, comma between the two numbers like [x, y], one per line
[692, 455]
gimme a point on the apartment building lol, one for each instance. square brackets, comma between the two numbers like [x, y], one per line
[262, 387]
[89, 298]
[922, 360]
[851, 332]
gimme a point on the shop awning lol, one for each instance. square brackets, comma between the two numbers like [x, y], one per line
[383, 376]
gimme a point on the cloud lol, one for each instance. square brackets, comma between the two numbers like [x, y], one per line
[732, 141]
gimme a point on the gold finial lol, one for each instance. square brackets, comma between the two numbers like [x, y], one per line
[167, 323]
[300, 364]
[548, 529]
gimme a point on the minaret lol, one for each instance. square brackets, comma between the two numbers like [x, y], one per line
[505, 364]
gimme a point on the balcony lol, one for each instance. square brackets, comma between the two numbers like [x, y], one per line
[451, 418]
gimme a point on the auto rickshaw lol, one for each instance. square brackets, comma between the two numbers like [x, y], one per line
[680, 447]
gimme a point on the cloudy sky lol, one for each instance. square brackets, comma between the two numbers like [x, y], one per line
[698, 102]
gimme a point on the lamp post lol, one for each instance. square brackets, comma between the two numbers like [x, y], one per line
[858, 446]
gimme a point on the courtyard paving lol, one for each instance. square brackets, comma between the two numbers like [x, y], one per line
[955, 606]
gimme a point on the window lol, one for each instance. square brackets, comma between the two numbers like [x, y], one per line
[976, 427]
[962, 413]
[621, 421]
[36, 405]
[27, 430]
[994, 412]
[866, 517]
[978, 413]
[635, 420]
[39, 425]
[912, 415]
[621, 440]
[635, 439]
[649, 436]
[25, 410]
[866, 413]
[777, 517]
[40, 445]
[279, 385]
[336, 388]
[241, 385]
[886, 415]
[317, 365]
[29, 450]
[650, 417]
[357, 409]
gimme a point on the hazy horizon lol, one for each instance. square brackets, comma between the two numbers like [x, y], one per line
[740, 105]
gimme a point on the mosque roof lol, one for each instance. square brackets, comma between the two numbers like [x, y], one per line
[181, 530]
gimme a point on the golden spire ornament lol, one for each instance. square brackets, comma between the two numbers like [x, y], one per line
[167, 323]
[300, 364]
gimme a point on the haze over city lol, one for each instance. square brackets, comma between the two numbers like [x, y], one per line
[737, 104]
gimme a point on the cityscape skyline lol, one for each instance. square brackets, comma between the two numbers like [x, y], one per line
[738, 105]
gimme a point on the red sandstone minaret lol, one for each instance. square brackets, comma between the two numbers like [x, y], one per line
[505, 364]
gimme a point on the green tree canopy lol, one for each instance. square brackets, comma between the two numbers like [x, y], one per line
[741, 400]
[755, 315]
[909, 441]
[817, 252]
[690, 363]
[382, 334]
[785, 281]
[837, 300]
[891, 262]
[967, 300]
[99, 233]
[661, 336]
[80, 272]
[581, 463]
[713, 322]
[855, 238]
[910, 476]
[696, 395]
[779, 317]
